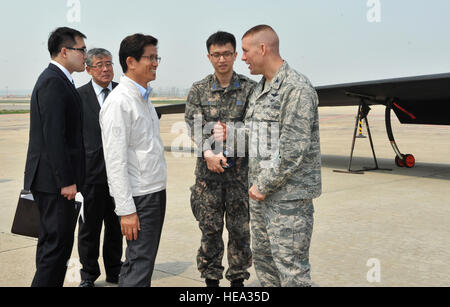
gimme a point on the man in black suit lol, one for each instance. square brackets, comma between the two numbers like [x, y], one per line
[98, 204]
[54, 170]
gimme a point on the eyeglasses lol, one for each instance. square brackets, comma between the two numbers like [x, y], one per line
[226, 55]
[153, 58]
[101, 65]
[83, 50]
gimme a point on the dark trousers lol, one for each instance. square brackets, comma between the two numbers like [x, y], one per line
[58, 220]
[99, 209]
[138, 267]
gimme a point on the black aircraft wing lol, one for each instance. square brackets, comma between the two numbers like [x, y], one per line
[423, 100]
[171, 109]
[418, 100]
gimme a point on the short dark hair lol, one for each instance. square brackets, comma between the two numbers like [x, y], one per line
[133, 46]
[62, 37]
[221, 38]
[257, 29]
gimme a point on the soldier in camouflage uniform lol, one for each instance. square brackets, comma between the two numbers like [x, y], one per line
[282, 184]
[212, 103]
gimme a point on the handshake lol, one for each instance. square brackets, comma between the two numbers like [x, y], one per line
[217, 163]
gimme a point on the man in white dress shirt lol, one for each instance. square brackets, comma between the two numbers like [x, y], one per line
[134, 156]
[98, 204]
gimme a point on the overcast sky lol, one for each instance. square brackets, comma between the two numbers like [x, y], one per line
[330, 41]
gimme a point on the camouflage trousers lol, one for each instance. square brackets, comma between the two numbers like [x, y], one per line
[281, 236]
[210, 202]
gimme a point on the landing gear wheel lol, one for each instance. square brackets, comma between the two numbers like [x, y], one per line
[399, 162]
[409, 161]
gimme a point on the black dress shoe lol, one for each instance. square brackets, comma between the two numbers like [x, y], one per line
[212, 283]
[238, 283]
[112, 279]
[86, 284]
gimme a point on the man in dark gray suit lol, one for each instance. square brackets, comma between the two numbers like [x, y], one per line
[54, 170]
[98, 204]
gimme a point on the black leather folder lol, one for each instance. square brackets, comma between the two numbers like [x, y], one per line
[27, 218]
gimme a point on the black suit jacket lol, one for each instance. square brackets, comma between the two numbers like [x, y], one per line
[55, 157]
[95, 162]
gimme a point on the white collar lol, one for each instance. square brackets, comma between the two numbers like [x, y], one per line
[98, 89]
[145, 92]
[64, 70]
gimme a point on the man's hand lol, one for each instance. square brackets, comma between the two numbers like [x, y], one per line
[255, 195]
[213, 161]
[220, 132]
[130, 226]
[69, 192]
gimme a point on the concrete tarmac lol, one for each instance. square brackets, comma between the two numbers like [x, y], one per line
[382, 228]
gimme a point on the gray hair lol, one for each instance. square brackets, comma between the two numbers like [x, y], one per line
[98, 53]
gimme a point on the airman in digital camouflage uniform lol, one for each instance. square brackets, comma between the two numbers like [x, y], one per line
[285, 177]
[221, 186]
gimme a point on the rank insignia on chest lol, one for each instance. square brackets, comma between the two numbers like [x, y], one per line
[239, 103]
[209, 103]
[236, 84]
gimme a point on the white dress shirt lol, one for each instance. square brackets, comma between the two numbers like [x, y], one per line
[98, 91]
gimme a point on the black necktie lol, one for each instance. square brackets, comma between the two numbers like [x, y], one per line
[105, 92]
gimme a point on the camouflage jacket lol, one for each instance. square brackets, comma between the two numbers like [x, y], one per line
[284, 165]
[207, 103]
